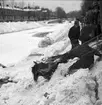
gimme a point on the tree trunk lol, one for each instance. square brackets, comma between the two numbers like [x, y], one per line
[101, 13]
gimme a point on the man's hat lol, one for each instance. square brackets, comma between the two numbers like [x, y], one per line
[76, 22]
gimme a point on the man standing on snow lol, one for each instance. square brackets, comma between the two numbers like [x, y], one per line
[74, 34]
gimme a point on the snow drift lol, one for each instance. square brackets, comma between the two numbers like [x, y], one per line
[84, 87]
[17, 46]
[17, 26]
[58, 35]
[76, 89]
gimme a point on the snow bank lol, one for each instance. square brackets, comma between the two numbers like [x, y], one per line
[80, 88]
[17, 46]
[76, 89]
[7, 27]
[59, 47]
[61, 32]
[97, 73]
[56, 42]
[58, 35]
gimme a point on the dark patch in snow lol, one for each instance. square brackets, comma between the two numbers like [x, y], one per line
[36, 55]
[46, 95]
[6, 80]
[42, 34]
[96, 89]
[1, 65]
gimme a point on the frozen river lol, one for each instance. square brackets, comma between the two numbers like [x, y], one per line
[16, 46]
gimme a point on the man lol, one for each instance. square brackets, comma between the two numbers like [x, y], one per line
[74, 34]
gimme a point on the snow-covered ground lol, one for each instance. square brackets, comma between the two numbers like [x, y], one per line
[22, 48]
[6, 27]
[16, 46]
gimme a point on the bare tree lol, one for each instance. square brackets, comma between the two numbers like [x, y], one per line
[21, 4]
[15, 4]
[29, 6]
[101, 13]
[60, 12]
[12, 3]
[85, 6]
[2, 3]
[2, 10]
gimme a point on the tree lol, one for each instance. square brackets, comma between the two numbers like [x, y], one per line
[36, 7]
[2, 2]
[12, 3]
[60, 12]
[45, 13]
[29, 6]
[15, 5]
[21, 4]
[86, 4]
[101, 13]
[74, 14]
[7, 5]
[89, 4]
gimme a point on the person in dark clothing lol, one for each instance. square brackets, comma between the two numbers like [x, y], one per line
[85, 55]
[74, 34]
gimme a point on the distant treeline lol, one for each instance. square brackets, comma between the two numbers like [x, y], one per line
[74, 14]
[31, 14]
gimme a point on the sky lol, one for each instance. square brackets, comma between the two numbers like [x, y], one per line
[67, 5]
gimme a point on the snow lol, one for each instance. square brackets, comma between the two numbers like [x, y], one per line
[16, 46]
[76, 89]
[6, 27]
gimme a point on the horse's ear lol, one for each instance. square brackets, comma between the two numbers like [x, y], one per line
[35, 62]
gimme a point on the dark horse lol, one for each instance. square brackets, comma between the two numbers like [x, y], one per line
[44, 69]
[83, 52]
[85, 55]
